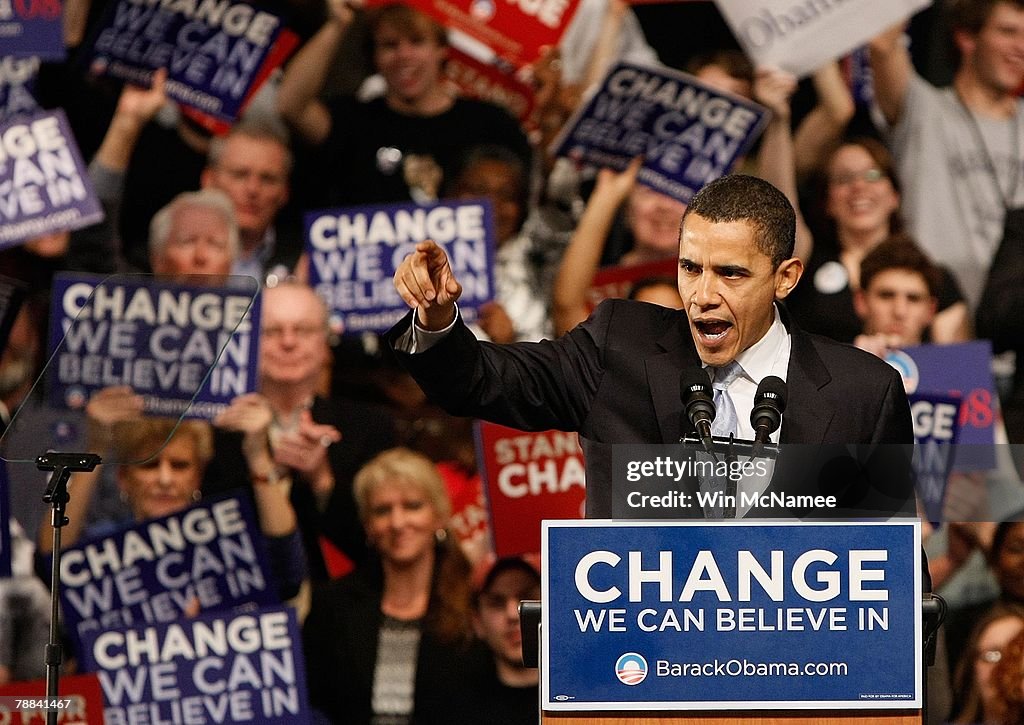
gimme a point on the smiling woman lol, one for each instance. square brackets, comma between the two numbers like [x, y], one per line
[387, 643]
[861, 203]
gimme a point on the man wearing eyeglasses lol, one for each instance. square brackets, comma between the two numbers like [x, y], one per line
[252, 164]
[317, 443]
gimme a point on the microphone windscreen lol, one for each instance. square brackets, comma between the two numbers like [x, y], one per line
[693, 381]
[771, 391]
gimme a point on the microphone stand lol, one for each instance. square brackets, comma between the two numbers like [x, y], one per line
[62, 465]
[729, 512]
[731, 448]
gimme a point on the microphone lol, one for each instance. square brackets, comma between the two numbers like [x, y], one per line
[769, 405]
[695, 391]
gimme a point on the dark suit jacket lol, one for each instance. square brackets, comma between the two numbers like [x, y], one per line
[365, 432]
[615, 379]
[340, 639]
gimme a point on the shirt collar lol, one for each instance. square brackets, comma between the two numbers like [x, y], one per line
[760, 359]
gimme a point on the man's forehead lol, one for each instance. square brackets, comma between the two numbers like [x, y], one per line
[291, 301]
[901, 280]
[192, 218]
[726, 242]
[239, 148]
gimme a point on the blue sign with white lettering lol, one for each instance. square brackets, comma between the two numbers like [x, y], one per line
[354, 252]
[210, 557]
[5, 521]
[688, 133]
[44, 183]
[32, 28]
[220, 668]
[213, 52]
[738, 615]
[159, 338]
[964, 369]
[17, 87]
[936, 426]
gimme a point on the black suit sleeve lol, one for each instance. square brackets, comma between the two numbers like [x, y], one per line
[531, 386]
[894, 422]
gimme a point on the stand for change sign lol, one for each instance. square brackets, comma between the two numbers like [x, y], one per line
[161, 339]
[354, 252]
[688, 133]
[731, 616]
[220, 668]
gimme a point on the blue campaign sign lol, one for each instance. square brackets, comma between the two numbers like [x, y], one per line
[353, 254]
[159, 338]
[213, 52]
[220, 668]
[44, 186]
[211, 555]
[964, 369]
[738, 615]
[5, 521]
[32, 28]
[687, 132]
[936, 429]
[17, 87]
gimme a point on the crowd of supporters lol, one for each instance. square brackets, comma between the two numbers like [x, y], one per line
[903, 205]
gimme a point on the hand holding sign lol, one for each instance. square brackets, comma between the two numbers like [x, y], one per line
[142, 104]
[343, 12]
[773, 88]
[426, 282]
[107, 407]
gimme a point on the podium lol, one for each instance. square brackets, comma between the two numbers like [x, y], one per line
[748, 622]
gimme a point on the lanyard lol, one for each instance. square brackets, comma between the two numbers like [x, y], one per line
[972, 123]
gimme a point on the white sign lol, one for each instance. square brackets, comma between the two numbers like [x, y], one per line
[800, 37]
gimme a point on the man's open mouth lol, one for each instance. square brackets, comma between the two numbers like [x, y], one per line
[712, 329]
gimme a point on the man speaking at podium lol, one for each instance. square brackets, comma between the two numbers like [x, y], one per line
[616, 377]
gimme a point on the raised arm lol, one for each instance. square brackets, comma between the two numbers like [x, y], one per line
[305, 75]
[892, 70]
[821, 129]
[135, 108]
[583, 255]
[776, 161]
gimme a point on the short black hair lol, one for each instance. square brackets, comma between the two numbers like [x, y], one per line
[738, 197]
[900, 252]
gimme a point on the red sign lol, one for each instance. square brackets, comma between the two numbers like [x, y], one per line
[516, 30]
[82, 692]
[528, 477]
[616, 282]
[475, 79]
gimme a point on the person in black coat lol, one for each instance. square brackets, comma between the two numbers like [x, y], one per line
[391, 641]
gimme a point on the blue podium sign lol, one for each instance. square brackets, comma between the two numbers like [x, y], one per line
[731, 616]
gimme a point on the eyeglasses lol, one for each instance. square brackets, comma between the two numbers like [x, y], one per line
[991, 656]
[869, 176]
[301, 331]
